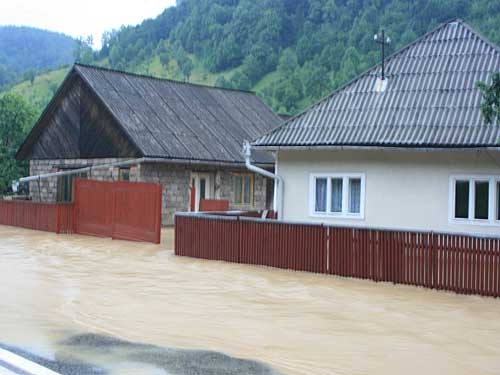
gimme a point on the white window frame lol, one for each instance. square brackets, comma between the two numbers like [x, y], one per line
[492, 200]
[345, 214]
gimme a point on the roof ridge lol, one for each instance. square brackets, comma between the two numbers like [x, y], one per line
[139, 75]
[374, 67]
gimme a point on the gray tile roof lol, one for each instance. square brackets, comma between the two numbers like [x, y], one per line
[431, 99]
[169, 119]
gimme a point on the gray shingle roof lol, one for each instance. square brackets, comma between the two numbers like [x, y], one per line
[431, 99]
[169, 119]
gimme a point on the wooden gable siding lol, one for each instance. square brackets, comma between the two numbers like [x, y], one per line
[60, 132]
[78, 126]
[100, 136]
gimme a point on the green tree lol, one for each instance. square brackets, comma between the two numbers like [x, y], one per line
[289, 92]
[30, 75]
[240, 81]
[490, 107]
[221, 81]
[16, 117]
[316, 80]
[288, 63]
[164, 59]
[185, 64]
[115, 56]
[83, 50]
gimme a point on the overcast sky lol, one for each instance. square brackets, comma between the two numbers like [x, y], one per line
[79, 18]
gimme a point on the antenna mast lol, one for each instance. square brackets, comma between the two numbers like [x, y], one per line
[383, 41]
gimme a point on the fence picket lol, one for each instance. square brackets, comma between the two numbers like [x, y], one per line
[459, 263]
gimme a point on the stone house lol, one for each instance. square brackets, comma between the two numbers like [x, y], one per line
[185, 135]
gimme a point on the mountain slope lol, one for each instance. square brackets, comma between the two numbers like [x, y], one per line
[292, 52]
[24, 49]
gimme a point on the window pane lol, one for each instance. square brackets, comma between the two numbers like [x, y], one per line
[68, 187]
[498, 200]
[336, 195]
[320, 204]
[355, 195]
[462, 199]
[237, 189]
[203, 183]
[124, 174]
[482, 199]
[247, 186]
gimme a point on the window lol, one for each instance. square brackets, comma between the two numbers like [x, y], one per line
[336, 204]
[475, 199]
[321, 184]
[462, 199]
[203, 188]
[354, 195]
[337, 195]
[65, 186]
[481, 200]
[124, 174]
[243, 188]
[498, 200]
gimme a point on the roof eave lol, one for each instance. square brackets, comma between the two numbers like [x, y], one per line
[226, 163]
[414, 148]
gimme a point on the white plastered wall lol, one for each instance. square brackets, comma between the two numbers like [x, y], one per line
[404, 189]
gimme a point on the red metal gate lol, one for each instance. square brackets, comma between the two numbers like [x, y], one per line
[121, 210]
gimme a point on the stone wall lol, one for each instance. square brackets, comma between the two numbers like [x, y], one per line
[174, 178]
[48, 187]
[176, 182]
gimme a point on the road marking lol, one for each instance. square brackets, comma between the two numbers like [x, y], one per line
[24, 365]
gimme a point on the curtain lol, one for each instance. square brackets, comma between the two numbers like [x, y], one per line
[354, 195]
[336, 195]
[320, 196]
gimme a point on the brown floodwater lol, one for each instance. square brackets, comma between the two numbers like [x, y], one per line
[54, 286]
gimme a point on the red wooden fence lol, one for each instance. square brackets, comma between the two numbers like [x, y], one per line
[49, 217]
[121, 210]
[459, 263]
[277, 245]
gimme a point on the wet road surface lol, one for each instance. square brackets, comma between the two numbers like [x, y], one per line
[96, 306]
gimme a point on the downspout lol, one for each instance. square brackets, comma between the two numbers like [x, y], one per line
[280, 183]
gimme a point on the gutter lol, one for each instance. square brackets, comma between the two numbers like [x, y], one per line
[15, 183]
[278, 203]
[375, 148]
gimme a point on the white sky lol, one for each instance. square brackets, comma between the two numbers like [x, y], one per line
[79, 18]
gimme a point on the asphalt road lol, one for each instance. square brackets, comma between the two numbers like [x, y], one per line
[149, 359]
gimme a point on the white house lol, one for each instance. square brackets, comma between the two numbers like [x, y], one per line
[411, 152]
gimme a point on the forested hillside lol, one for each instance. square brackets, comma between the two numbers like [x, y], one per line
[25, 51]
[291, 52]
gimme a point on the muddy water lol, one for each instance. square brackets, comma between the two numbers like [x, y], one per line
[52, 287]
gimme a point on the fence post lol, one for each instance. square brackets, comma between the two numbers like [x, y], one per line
[326, 230]
[239, 238]
[58, 219]
[434, 260]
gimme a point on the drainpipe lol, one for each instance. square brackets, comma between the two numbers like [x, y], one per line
[280, 183]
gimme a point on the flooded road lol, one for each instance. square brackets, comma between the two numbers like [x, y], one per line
[56, 289]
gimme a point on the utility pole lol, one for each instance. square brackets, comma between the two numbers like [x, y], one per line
[383, 41]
